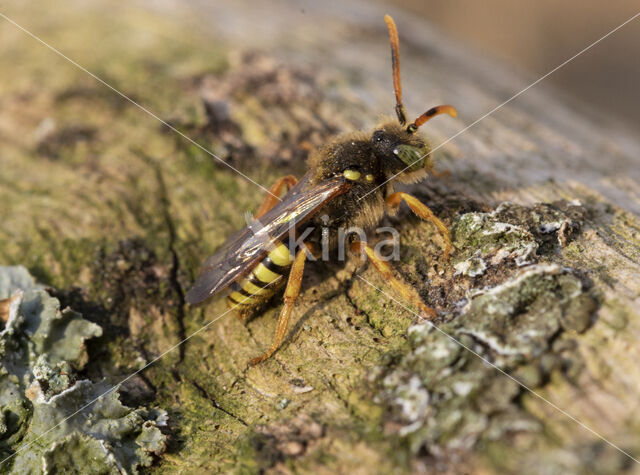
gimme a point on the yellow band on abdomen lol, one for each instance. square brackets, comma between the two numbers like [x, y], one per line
[265, 275]
[240, 299]
[253, 289]
[281, 256]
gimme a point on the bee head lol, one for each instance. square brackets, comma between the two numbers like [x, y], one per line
[398, 150]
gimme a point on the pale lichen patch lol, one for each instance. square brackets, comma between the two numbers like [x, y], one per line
[511, 232]
[41, 349]
[445, 395]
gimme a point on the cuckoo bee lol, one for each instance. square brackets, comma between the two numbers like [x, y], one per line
[351, 181]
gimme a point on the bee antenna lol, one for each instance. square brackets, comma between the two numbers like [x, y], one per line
[395, 62]
[434, 111]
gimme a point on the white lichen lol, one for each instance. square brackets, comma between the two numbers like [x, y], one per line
[472, 267]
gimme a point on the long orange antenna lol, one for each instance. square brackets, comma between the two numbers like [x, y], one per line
[395, 62]
[434, 111]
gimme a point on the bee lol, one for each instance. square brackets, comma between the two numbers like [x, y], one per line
[351, 180]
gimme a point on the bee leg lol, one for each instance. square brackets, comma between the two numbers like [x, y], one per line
[271, 199]
[421, 210]
[387, 274]
[291, 292]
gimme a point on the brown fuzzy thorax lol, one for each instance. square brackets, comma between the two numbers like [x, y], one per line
[363, 206]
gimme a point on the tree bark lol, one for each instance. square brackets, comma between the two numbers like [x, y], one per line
[117, 212]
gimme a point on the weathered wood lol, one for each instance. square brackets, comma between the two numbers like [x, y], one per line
[117, 213]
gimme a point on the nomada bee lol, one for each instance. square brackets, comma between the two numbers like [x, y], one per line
[351, 180]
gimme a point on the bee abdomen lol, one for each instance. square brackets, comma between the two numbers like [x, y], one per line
[264, 280]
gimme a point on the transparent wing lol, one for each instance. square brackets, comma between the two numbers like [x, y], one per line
[249, 245]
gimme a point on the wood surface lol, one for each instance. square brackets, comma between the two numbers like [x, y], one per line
[116, 212]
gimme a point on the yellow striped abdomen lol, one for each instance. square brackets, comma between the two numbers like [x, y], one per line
[264, 280]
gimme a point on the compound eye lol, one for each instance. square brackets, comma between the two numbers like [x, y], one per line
[351, 175]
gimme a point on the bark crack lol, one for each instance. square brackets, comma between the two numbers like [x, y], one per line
[171, 247]
[203, 392]
[348, 285]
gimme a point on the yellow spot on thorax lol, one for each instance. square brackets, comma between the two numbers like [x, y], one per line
[352, 175]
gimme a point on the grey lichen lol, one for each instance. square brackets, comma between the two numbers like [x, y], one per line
[41, 347]
[447, 392]
[512, 232]
[493, 242]
[518, 317]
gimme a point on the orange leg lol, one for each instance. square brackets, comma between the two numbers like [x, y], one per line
[270, 200]
[425, 213]
[385, 271]
[291, 292]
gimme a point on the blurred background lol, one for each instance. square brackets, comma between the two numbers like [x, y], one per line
[536, 36]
